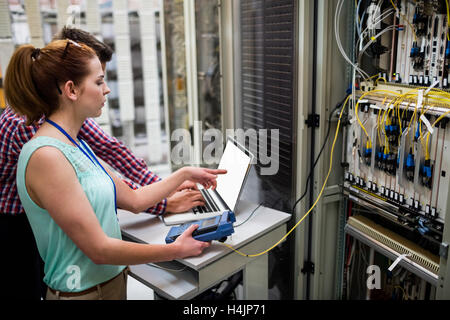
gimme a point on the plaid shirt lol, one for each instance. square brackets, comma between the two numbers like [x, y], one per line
[14, 134]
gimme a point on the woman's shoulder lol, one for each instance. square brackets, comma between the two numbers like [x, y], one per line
[39, 141]
[45, 155]
[45, 148]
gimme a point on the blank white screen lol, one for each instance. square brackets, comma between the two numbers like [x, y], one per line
[236, 162]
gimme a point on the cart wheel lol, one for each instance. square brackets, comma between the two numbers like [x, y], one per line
[223, 239]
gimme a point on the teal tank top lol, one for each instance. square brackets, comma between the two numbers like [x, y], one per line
[67, 268]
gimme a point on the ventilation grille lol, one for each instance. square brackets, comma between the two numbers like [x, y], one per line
[267, 44]
[395, 242]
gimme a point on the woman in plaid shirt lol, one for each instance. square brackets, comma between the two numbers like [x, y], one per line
[24, 266]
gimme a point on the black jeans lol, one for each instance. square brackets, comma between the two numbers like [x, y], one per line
[21, 267]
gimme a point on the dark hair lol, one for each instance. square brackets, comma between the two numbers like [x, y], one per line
[34, 75]
[103, 51]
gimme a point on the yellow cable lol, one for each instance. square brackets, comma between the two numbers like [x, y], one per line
[399, 98]
[370, 78]
[405, 296]
[357, 105]
[440, 118]
[386, 145]
[378, 127]
[378, 122]
[424, 144]
[413, 117]
[421, 136]
[382, 119]
[360, 123]
[436, 94]
[427, 152]
[413, 120]
[382, 78]
[409, 23]
[318, 197]
[403, 113]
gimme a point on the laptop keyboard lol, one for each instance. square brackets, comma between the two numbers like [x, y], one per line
[209, 206]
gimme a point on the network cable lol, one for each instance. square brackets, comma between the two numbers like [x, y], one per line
[313, 166]
[315, 203]
[407, 21]
[250, 215]
[320, 153]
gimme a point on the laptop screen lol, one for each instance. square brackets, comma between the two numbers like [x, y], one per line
[236, 162]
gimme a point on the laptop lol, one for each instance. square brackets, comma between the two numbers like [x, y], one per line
[237, 160]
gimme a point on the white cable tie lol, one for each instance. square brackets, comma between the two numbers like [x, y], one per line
[419, 99]
[431, 87]
[400, 258]
[427, 123]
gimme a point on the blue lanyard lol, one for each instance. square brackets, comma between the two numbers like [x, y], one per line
[88, 154]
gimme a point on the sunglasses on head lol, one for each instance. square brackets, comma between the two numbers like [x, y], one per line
[63, 56]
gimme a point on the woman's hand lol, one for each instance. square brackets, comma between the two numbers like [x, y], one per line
[188, 246]
[206, 177]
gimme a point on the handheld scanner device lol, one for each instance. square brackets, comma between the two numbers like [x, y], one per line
[215, 228]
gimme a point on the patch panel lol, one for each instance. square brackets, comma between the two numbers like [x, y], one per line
[396, 155]
[396, 136]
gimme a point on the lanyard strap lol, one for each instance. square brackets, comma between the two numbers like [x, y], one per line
[91, 156]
